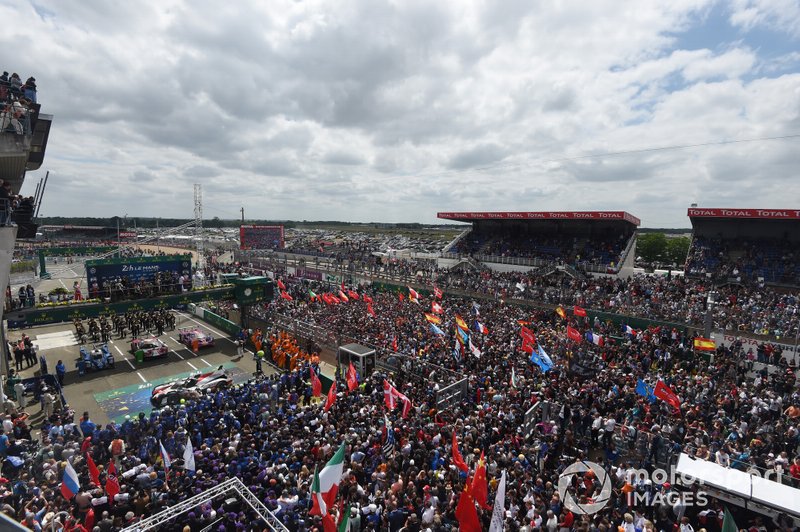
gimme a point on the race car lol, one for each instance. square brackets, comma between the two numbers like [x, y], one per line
[98, 358]
[152, 347]
[188, 335]
[191, 387]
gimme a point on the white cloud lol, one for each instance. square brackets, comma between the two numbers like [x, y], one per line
[407, 107]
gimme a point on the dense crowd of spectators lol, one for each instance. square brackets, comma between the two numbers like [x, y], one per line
[16, 99]
[750, 262]
[352, 245]
[270, 433]
[562, 249]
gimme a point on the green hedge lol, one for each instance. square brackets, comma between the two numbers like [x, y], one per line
[23, 266]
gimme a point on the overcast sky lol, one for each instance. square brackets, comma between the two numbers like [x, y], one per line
[392, 111]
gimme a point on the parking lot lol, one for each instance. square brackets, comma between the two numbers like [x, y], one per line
[112, 393]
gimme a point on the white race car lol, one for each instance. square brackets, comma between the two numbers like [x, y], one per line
[152, 346]
[191, 387]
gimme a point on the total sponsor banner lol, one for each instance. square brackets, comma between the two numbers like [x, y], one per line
[762, 214]
[544, 215]
[790, 351]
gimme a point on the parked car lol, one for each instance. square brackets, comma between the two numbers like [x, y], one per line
[152, 346]
[188, 335]
[191, 387]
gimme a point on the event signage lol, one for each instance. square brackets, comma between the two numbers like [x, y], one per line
[136, 269]
[761, 214]
[545, 215]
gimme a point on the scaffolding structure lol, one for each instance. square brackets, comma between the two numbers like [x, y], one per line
[232, 487]
[198, 224]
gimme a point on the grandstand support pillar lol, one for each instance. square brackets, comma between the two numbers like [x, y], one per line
[708, 322]
[8, 235]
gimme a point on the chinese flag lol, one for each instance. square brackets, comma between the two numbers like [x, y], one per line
[480, 486]
[573, 334]
[466, 513]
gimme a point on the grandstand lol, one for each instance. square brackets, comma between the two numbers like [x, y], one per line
[592, 242]
[745, 246]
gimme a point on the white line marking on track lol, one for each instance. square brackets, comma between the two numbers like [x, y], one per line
[205, 362]
[193, 366]
[178, 354]
[125, 359]
[142, 377]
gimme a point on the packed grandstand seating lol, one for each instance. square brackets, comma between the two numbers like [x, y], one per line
[564, 249]
[748, 261]
[327, 243]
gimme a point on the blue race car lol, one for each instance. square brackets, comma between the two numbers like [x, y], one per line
[96, 359]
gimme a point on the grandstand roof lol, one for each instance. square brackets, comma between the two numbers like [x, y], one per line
[544, 215]
[751, 214]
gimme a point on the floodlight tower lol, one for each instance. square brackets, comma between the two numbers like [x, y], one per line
[198, 224]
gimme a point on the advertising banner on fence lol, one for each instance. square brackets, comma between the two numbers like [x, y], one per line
[726, 339]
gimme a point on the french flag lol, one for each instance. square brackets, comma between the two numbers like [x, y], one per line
[69, 482]
[596, 339]
[630, 330]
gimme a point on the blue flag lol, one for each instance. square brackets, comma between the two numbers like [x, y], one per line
[644, 389]
[541, 359]
[437, 330]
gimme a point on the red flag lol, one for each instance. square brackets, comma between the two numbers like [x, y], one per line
[573, 334]
[394, 343]
[331, 396]
[665, 393]
[480, 486]
[401, 296]
[412, 294]
[94, 473]
[316, 384]
[352, 295]
[366, 299]
[343, 296]
[527, 347]
[466, 513]
[335, 300]
[458, 460]
[281, 285]
[352, 377]
[527, 335]
[286, 296]
[370, 310]
[437, 292]
[112, 484]
[389, 399]
[579, 311]
[436, 308]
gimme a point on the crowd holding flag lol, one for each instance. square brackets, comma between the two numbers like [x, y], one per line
[388, 445]
[645, 390]
[542, 359]
[437, 292]
[466, 513]
[630, 330]
[286, 296]
[413, 295]
[705, 344]
[476, 352]
[188, 456]
[573, 334]
[461, 323]
[436, 330]
[70, 485]
[499, 510]
[458, 460]
[112, 483]
[560, 312]
[164, 458]
[370, 310]
[331, 396]
[595, 338]
[513, 381]
[665, 393]
[281, 285]
[481, 328]
[433, 318]
[316, 384]
[480, 487]
[436, 308]
[352, 377]
[579, 311]
[94, 473]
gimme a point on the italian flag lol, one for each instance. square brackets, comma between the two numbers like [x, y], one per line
[312, 295]
[329, 478]
[319, 506]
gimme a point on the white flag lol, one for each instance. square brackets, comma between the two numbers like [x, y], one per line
[188, 456]
[499, 512]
